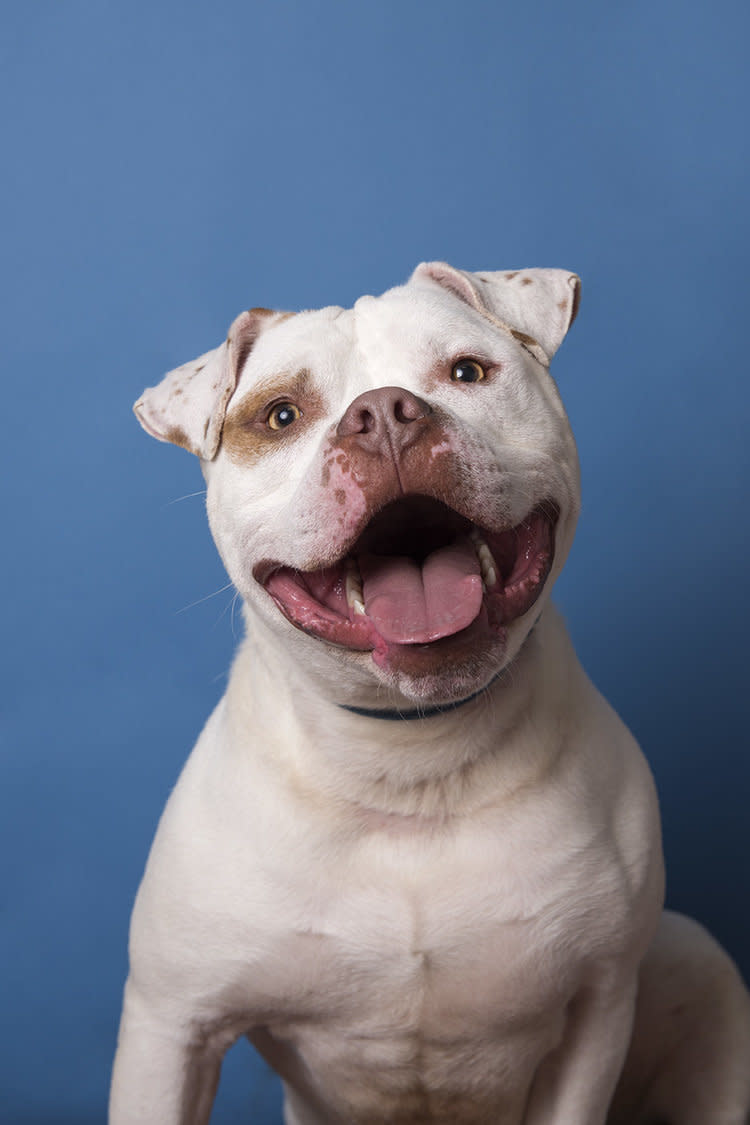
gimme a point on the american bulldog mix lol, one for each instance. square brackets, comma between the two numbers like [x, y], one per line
[415, 856]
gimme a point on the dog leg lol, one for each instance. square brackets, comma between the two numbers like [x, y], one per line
[162, 1074]
[575, 1083]
[689, 1061]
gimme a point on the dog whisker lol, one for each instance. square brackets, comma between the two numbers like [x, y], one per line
[187, 496]
[205, 599]
[231, 616]
[229, 605]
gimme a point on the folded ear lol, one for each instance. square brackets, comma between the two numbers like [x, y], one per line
[189, 404]
[536, 306]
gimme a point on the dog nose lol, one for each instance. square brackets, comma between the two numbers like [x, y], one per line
[388, 415]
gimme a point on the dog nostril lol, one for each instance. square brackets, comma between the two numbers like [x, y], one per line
[368, 421]
[410, 409]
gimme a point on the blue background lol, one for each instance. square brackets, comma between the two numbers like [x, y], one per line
[167, 165]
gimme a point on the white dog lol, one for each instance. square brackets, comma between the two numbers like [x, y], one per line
[414, 856]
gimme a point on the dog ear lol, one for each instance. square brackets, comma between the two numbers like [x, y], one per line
[188, 406]
[536, 306]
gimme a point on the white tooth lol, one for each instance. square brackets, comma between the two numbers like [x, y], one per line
[487, 564]
[353, 587]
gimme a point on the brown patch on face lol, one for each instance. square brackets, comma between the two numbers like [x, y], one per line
[340, 496]
[430, 465]
[527, 281]
[247, 436]
[511, 275]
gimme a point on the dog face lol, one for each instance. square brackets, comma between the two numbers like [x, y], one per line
[394, 486]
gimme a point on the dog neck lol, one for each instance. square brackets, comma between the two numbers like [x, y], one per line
[435, 765]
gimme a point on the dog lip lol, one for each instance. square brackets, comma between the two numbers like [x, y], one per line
[314, 599]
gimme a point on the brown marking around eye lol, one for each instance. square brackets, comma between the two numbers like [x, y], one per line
[246, 435]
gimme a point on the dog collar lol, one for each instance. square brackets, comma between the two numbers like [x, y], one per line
[419, 712]
[393, 714]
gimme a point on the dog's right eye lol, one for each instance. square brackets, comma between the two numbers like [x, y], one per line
[467, 371]
[283, 414]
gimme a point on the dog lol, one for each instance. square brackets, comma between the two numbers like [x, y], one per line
[414, 856]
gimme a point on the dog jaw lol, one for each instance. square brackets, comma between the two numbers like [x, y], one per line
[421, 585]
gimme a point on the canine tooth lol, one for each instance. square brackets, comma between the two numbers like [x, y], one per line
[487, 564]
[353, 586]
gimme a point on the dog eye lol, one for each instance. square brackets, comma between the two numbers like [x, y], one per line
[467, 371]
[283, 415]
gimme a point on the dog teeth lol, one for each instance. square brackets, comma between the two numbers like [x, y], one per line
[354, 596]
[487, 564]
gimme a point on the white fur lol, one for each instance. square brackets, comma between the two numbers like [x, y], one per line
[441, 920]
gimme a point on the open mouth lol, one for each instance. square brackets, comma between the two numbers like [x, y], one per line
[419, 574]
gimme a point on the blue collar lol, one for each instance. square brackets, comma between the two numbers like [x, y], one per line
[393, 714]
[419, 712]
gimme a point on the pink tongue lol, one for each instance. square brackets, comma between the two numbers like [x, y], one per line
[411, 603]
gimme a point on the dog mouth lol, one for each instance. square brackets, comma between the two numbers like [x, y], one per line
[420, 575]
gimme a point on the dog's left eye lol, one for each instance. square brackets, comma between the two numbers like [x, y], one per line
[467, 371]
[283, 415]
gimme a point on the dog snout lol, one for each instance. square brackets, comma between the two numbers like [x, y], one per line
[386, 417]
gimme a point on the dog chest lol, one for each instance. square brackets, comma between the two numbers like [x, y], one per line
[418, 979]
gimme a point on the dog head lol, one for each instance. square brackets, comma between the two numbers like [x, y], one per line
[394, 486]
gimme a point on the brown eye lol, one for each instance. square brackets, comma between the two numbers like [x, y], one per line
[283, 415]
[467, 371]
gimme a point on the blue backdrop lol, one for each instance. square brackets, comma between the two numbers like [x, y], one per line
[169, 164]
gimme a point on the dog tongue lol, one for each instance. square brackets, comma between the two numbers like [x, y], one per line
[413, 603]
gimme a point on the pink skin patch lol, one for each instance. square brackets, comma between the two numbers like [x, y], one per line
[343, 502]
[421, 583]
